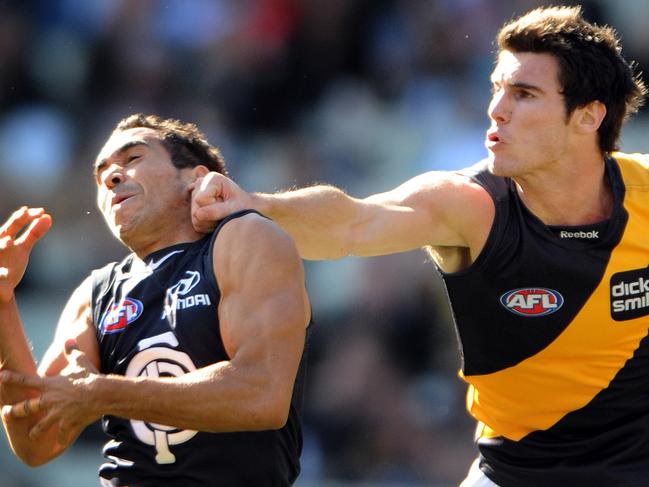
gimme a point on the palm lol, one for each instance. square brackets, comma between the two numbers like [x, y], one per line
[14, 250]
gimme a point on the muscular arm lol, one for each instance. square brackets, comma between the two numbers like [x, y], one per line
[263, 313]
[434, 209]
[75, 323]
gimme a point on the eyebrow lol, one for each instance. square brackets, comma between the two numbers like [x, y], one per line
[120, 150]
[525, 86]
[520, 85]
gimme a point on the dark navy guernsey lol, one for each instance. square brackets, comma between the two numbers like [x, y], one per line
[554, 327]
[160, 319]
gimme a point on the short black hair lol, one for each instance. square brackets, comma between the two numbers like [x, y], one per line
[186, 144]
[591, 65]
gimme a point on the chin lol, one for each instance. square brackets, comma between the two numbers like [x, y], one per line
[121, 232]
[500, 167]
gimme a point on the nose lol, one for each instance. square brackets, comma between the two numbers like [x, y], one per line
[113, 176]
[499, 109]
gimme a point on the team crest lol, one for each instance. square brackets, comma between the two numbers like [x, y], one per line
[532, 301]
[119, 316]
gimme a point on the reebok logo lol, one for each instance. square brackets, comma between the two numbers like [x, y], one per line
[593, 234]
[630, 294]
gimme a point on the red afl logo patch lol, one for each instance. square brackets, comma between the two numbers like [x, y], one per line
[532, 301]
[119, 316]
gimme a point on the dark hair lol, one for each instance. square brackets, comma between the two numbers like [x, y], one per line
[591, 66]
[186, 144]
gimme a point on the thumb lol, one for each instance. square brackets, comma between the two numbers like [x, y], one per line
[71, 346]
[74, 354]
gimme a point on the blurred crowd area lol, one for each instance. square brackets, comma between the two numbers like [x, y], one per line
[360, 93]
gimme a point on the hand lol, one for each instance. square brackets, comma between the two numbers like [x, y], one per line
[65, 400]
[213, 198]
[14, 252]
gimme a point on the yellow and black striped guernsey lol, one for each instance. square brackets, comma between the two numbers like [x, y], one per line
[553, 324]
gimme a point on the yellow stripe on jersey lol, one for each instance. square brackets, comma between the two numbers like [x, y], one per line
[565, 376]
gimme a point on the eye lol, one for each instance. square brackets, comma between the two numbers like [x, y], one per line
[523, 94]
[132, 157]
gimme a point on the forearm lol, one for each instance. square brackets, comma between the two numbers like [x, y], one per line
[320, 219]
[15, 355]
[217, 399]
[15, 352]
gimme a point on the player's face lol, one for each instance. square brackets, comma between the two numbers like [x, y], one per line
[139, 190]
[529, 128]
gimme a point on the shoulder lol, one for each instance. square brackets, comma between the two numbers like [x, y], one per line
[634, 168]
[440, 192]
[252, 231]
[461, 196]
[255, 241]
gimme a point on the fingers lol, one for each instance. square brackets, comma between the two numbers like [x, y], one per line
[35, 231]
[210, 188]
[39, 223]
[19, 219]
[16, 379]
[24, 409]
[213, 198]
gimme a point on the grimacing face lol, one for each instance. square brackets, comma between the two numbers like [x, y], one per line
[139, 191]
[529, 128]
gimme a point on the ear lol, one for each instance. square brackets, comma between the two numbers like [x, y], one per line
[588, 118]
[191, 176]
[199, 172]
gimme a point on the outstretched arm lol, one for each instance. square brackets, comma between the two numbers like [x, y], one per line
[436, 208]
[15, 353]
[263, 313]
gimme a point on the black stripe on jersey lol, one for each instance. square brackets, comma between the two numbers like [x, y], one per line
[524, 257]
[604, 443]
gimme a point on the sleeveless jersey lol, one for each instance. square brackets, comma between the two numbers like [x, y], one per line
[162, 320]
[553, 326]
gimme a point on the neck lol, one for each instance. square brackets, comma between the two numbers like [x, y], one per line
[150, 242]
[570, 195]
[142, 252]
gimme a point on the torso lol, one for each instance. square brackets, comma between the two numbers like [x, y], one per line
[555, 347]
[161, 319]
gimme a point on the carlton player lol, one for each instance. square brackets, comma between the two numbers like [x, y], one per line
[189, 349]
[544, 250]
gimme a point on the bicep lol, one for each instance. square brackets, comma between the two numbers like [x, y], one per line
[75, 323]
[433, 208]
[264, 309]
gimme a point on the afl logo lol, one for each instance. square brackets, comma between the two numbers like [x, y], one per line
[119, 316]
[532, 301]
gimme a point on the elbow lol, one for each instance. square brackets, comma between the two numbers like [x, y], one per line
[274, 422]
[32, 458]
[34, 461]
[271, 414]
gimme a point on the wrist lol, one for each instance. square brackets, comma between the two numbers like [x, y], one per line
[98, 390]
[262, 202]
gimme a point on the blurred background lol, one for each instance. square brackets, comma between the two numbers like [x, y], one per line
[360, 93]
